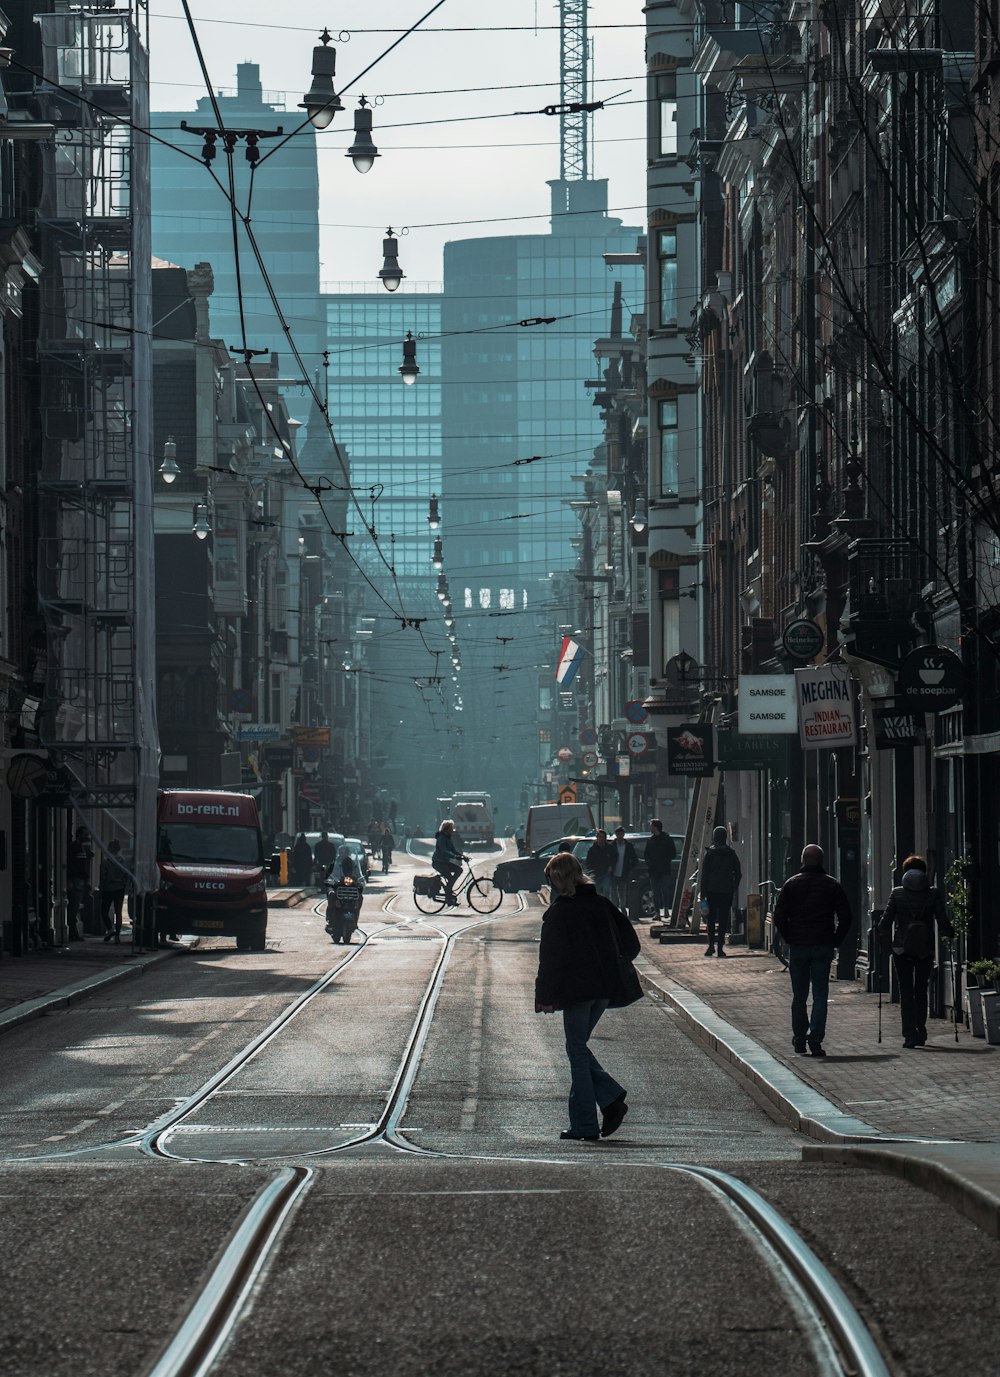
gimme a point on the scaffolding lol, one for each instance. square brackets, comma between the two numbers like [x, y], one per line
[96, 547]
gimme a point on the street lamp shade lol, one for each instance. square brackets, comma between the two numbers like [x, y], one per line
[437, 559]
[639, 519]
[442, 587]
[390, 274]
[408, 369]
[170, 468]
[363, 151]
[201, 526]
[433, 515]
[321, 101]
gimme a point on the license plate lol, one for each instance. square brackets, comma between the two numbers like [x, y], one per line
[209, 923]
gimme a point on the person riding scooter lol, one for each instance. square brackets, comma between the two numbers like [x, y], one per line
[344, 898]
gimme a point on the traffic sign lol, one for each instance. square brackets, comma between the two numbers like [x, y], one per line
[241, 700]
[567, 794]
[638, 743]
[635, 712]
[590, 759]
[932, 678]
[803, 639]
[588, 737]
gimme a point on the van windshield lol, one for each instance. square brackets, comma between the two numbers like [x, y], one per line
[210, 843]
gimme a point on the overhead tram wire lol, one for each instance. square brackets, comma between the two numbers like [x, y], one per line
[248, 353]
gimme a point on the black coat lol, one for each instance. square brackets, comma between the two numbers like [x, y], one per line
[910, 915]
[577, 960]
[660, 854]
[720, 871]
[812, 909]
[599, 860]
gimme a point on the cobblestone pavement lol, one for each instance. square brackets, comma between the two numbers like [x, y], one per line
[947, 1089]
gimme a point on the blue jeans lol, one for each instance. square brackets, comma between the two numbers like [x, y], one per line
[590, 1084]
[602, 883]
[810, 966]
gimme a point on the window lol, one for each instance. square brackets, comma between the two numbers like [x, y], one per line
[669, 478]
[666, 106]
[667, 253]
[670, 613]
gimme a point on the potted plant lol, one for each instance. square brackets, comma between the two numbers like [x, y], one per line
[956, 888]
[979, 976]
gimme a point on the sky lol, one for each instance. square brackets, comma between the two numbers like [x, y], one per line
[473, 161]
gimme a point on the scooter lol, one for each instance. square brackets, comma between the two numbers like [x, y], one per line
[343, 908]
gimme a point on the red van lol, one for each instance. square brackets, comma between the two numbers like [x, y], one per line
[210, 855]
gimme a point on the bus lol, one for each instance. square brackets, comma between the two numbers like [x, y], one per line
[210, 856]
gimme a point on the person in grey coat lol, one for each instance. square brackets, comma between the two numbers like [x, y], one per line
[913, 916]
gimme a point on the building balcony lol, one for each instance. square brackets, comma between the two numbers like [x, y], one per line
[883, 597]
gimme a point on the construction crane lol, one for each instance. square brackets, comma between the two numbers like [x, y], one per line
[574, 125]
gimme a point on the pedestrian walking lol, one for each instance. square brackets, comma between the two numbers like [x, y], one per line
[600, 858]
[78, 858]
[914, 916]
[325, 852]
[813, 916]
[719, 878]
[388, 842]
[447, 858]
[625, 859]
[659, 855]
[583, 936]
[302, 861]
[114, 886]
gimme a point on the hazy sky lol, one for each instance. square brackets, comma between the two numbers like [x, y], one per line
[429, 173]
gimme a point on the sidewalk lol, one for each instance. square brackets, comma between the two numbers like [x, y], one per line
[862, 1091]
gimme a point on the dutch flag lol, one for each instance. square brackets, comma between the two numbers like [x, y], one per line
[570, 659]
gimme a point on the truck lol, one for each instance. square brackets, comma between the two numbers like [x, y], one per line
[210, 855]
[472, 813]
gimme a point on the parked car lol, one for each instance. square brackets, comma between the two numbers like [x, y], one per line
[641, 898]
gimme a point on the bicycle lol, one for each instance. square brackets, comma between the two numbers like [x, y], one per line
[480, 893]
[773, 940]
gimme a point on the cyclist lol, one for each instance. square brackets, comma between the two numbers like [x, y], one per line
[447, 859]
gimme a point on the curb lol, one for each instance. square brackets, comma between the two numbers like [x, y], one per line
[966, 1196]
[72, 994]
[292, 898]
[780, 1091]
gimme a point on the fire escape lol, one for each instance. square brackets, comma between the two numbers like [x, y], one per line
[96, 548]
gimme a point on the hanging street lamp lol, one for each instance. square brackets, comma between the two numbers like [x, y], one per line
[321, 101]
[201, 527]
[363, 151]
[408, 369]
[390, 274]
[437, 559]
[433, 515]
[170, 468]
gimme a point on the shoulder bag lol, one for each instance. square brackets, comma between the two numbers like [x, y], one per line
[627, 989]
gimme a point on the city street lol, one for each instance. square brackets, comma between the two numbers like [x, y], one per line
[438, 1224]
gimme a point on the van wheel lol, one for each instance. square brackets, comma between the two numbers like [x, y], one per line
[258, 939]
[242, 943]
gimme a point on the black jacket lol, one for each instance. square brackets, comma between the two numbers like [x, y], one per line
[660, 854]
[812, 909]
[629, 861]
[577, 960]
[910, 914]
[599, 860]
[720, 871]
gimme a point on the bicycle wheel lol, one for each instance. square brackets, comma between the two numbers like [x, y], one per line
[484, 896]
[429, 903]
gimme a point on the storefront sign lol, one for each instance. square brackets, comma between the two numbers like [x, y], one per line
[803, 640]
[767, 705]
[258, 731]
[931, 678]
[739, 752]
[826, 707]
[895, 729]
[691, 749]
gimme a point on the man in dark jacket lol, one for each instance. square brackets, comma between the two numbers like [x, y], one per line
[719, 878]
[813, 916]
[659, 855]
[914, 915]
[600, 855]
[582, 936]
[624, 859]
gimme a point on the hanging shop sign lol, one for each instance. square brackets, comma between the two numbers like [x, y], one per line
[894, 730]
[803, 640]
[691, 749]
[767, 705]
[758, 752]
[311, 736]
[931, 678]
[826, 707]
[27, 776]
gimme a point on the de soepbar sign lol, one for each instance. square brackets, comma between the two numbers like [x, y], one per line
[767, 705]
[826, 706]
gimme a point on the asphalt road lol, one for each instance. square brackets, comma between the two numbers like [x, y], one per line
[466, 1238]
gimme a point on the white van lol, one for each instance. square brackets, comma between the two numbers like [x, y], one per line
[547, 822]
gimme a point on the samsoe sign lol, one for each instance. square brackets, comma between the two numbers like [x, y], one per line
[826, 706]
[767, 705]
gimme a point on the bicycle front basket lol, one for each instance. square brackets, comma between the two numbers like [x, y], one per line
[427, 884]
